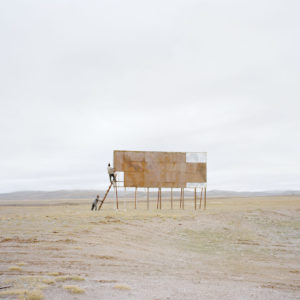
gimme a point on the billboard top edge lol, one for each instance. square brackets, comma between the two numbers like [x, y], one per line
[160, 151]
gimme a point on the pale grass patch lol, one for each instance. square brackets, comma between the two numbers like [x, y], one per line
[61, 278]
[15, 268]
[23, 294]
[41, 286]
[31, 282]
[77, 278]
[73, 289]
[34, 295]
[68, 277]
[48, 281]
[20, 264]
[122, 287]
[54, 274]
[12, 292]
[29, 278]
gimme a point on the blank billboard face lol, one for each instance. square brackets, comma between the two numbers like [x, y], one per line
[161, 169]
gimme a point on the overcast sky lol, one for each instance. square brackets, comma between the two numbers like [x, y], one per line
[79, 79]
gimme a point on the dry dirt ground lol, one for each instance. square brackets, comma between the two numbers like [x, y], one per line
[239, 248]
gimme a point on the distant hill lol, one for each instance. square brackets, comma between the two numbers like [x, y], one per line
[90, 194]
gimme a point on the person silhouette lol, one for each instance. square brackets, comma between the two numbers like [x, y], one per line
[111, 173]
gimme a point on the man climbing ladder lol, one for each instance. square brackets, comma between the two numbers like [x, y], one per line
[113, 181]
[111, 173]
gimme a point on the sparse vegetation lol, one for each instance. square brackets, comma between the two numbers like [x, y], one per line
[228, 240]
[23, 294]
[122, 287]
[33, 295]
[48, 281]
[62, 278]
[76, 278]
[73, 289]
[12, 292]
[15, 268]
[69, 277]
[54, 274]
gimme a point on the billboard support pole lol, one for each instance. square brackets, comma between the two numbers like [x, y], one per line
[124, 201]
[148, 198]
[180, 197]
[204, 197]
[117, 200]
[160, 198]
[201, 198]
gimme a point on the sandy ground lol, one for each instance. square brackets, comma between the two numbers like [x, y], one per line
[239, 248]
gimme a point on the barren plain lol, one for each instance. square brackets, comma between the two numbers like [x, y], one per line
[238, 248]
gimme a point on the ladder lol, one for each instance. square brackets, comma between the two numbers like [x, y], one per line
[105, 196]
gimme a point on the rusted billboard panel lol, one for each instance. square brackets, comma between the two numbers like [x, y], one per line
[161, 169]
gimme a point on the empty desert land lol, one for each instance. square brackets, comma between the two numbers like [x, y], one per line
[238, 248]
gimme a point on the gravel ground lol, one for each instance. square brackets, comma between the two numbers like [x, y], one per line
[239, 248]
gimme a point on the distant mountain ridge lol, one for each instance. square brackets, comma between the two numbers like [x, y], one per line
[90, 194]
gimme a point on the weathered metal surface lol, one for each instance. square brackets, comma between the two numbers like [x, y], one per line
[160, 169]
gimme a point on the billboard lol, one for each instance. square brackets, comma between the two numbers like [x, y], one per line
[160, 169]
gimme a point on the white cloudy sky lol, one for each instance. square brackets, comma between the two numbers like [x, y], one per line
[79, 79]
